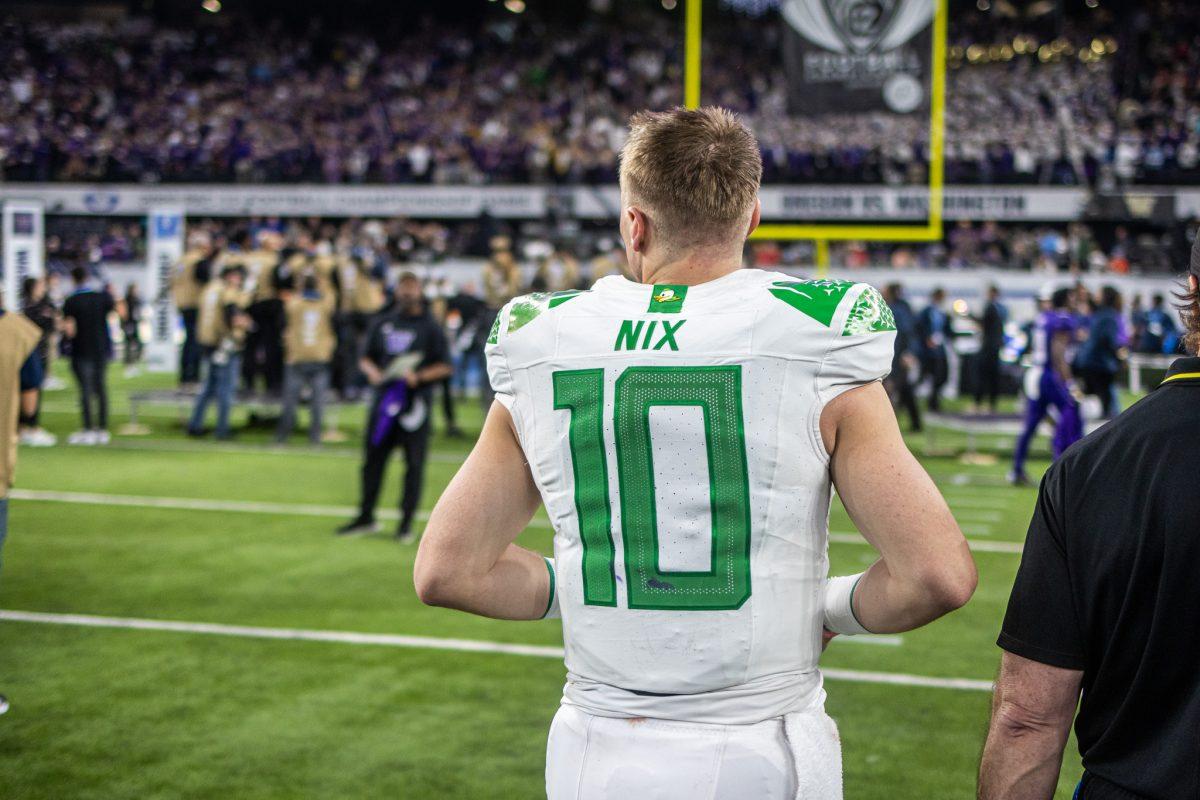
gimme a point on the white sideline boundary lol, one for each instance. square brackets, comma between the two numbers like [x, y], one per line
[308, 510]
[424, 643]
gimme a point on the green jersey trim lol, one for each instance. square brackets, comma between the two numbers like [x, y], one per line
[524, 310]
[870, 314]
[816, 299]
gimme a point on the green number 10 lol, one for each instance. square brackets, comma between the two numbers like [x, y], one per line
[718, 392]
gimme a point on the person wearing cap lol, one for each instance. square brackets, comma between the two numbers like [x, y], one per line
[1105, 605]
[405, 357]
[221, 330]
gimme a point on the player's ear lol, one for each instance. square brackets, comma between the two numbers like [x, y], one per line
[635, 229]
[755, 217]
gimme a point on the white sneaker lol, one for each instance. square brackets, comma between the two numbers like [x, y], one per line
[82, 438]
[101, 437]
[38, 437]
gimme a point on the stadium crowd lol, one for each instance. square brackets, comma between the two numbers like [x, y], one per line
[536, 101]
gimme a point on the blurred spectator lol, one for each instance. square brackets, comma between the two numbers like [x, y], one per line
[85, 326]
[131, 321]
[1158, 332]
[1099, 359]
[933, 326]
[906, 358]
[18, 340]
[221, 331]
[405, 357]
[38, 307]
[991, 342]
[309, 343]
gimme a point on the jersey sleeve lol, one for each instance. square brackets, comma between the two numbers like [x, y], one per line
[862, 344]
[497, 361]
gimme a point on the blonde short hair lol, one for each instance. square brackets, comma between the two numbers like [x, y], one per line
[696, 173]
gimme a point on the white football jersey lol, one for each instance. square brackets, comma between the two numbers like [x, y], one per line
[673, 432]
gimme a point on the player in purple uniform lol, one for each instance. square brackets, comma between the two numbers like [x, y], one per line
[1054, 335]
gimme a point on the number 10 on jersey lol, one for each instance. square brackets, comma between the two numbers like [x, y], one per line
[717, 391]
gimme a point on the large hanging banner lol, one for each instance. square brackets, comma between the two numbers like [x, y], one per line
[850, 56]
[24, 234]
[164, 250]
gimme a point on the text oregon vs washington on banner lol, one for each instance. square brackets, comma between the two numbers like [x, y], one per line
[857, 55]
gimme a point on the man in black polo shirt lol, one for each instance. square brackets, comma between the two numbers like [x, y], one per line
[1106, 601]
[405, 357]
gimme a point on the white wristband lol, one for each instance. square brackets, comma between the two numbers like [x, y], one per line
[552, 609]
[839, 605]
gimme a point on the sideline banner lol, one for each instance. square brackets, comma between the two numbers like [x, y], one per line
[164, 250]
[24, 234]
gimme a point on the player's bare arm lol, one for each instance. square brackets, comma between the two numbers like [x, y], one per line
[467, 559]
[1032, 710]
[925, 568]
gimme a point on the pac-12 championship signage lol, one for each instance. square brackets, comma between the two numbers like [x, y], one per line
[24, 236]
[857, 55]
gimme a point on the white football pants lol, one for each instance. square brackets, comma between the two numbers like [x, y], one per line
[797, 757]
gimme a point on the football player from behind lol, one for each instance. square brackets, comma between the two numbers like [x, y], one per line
[684, 426]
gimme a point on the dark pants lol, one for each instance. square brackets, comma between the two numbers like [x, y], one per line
[316, 377]
[264, 347]
[351, 329]
[936, 369]
[35, 382]
[906, 396]
[133, 343]
[375, 458]
[1102, 384]
[189, 358]
[447, 392]
[988, 384]
[220, 384]
[90, 375]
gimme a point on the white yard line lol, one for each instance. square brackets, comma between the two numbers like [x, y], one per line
[305, 451]
[423, 642]
[308, 510]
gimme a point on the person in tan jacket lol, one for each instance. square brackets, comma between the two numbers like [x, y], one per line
[308, 345]
[221, 329]
[18, 339]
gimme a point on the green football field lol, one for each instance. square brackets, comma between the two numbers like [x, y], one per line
[261, 690]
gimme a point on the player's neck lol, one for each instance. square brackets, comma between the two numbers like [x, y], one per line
[691, 269]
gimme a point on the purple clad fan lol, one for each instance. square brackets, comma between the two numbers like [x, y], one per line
[1049, 384]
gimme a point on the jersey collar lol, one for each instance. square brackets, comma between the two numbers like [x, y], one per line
[1184, 371]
